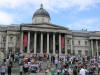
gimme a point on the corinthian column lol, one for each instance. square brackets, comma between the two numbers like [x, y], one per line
[47, 43]
[7, 43]
[21, 43]
[65, 45]
[92, 47]
[60, 44]
[28, 48]
[35, 38]
[71, 47]
[97, 47]
[41, 44]
[54, 43]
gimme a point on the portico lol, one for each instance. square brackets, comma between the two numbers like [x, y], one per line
[42, 42]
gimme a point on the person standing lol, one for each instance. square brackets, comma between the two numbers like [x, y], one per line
[3, 69]
[75, 71]
[9, 69]
[56, 63]
[70, 71]
[82, 71]
[98, 67]
[21, 69]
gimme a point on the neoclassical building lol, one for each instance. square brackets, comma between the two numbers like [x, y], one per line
[41, 37]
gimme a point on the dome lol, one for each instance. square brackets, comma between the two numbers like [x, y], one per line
[41, 13]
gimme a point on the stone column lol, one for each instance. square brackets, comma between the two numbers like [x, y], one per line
[41, 52]
[54, 43]
[35, 38]
[60, 44]
[7, 43]
[47, 43]
[71, 47]
[28, 48]
[15, 43]
[21, 43]
[92, 47]
[97, 47]
[65, 45]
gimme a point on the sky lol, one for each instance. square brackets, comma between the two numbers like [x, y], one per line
[73, 14]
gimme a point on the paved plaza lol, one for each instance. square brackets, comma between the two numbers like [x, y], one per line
[52, 65]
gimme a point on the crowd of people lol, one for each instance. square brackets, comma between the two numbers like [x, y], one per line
[51, 64]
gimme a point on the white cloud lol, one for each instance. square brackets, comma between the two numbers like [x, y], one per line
[30, 5]
[49, 4]
[6, 18]
[90, 24]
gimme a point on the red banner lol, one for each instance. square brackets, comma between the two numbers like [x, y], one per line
[62, 42]
[25, 40]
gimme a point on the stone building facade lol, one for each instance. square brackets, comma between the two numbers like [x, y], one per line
[41, 37]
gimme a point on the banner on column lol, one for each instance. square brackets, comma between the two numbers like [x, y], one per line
[62, 42]
[25, 40]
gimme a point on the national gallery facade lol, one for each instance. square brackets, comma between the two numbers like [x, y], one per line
[41, 37]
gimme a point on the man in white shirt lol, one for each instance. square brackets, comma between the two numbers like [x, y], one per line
[82, 71]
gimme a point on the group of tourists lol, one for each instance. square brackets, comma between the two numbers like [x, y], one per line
[51, 64]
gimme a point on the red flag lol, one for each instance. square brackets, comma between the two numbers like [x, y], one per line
[25, 40]
[62, 42]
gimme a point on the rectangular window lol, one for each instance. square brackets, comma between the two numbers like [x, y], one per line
[69, 51]
[78, 42]
[79, 52]
[85, 42]
[73, 42]
[68, 42]
[86, 52]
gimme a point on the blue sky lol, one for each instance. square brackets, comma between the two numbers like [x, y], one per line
[74, 14]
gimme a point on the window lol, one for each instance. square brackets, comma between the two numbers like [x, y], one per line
[69, 51]
[4, 39]
[78, 42]
[73, 42]
[67, 41]
[79, 52]
[86, 53]
[85, 42]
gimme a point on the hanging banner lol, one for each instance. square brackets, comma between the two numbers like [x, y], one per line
[62, 42]
[25, 40]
